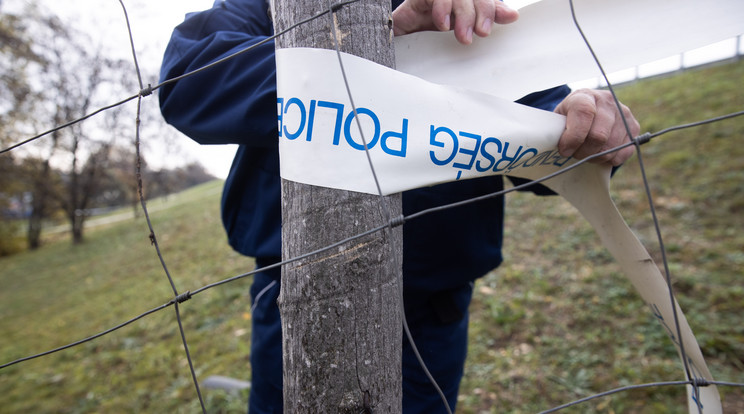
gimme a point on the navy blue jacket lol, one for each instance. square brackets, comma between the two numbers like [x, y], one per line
[235, 102]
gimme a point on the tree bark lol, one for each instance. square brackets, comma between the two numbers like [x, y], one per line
[42, 194]
[341, 310]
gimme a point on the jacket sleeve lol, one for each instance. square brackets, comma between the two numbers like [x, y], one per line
[235, 101]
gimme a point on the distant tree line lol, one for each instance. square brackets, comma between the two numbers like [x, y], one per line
[51, 74]
[34, 194]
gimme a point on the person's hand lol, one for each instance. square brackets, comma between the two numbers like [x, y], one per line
[593, 125]
[468, 17]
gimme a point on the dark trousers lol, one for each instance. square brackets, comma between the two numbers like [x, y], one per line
[438, 322]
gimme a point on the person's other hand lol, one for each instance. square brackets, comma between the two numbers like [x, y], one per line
[468, 17]
[593, 125]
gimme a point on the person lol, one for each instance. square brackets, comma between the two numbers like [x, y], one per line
[443, 253]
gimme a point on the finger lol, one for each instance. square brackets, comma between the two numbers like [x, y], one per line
[504, 14]
[579, 109]
[407, 19]
[441, 14]
[600, 131]
[464, 19]
[620, 137]
[634, 126]
[485, 11]
[620, 156]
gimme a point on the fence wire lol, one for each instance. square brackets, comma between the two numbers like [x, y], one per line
[180, 297]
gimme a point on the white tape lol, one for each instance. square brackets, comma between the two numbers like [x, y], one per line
[543, 48]
[418, 133]
[587, 189]
[421, 133]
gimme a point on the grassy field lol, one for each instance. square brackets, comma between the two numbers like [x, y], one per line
[63, 293]
[558, 321]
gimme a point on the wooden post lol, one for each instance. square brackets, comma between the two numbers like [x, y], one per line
[341, 311]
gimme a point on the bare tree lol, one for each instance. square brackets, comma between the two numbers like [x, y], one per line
[15, 90]
[41, 183]
[17, 100]
[72, 79]
[55, 74]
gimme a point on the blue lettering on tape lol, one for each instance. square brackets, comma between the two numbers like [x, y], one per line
[463, 151]
[280, 113]
[519, 161]
[402, 136]
[468, 152]
[310, 121]
[391, 142]
[347, 129]
[487, 155]
[339, 116]
[303, 118]
[433, 142]
[506, 158]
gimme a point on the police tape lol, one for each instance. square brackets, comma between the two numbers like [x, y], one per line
[420, 133]
[417, 132]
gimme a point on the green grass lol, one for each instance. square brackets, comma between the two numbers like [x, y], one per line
[558, 321]
[62, 293]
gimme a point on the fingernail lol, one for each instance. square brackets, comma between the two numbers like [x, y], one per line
[447, 22]
[487, 26]
[469, 35]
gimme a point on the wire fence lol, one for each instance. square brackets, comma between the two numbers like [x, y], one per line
[180, 296]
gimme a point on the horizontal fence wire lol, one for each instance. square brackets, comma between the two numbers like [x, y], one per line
[179, 298]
